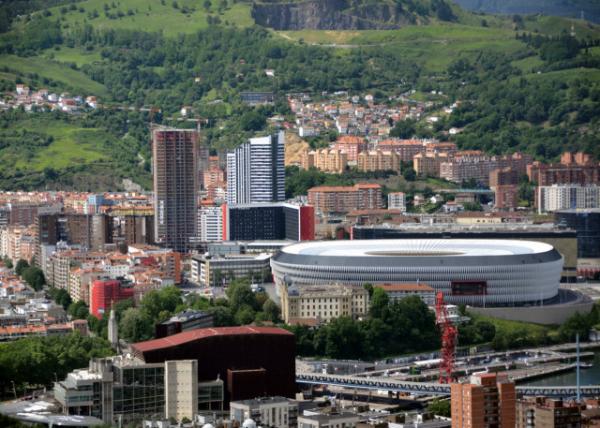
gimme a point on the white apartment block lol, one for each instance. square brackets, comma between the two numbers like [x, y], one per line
[561, 197]
[181, 389]
[397, 201]
[210, 224]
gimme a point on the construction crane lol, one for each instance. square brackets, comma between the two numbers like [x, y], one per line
[449, 334]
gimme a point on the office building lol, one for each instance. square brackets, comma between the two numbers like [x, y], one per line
[586, 223]
[568, 196]
[277, 412]
[218, 271]
[123, 389]
[256, 172]
[342, 199]
[321, 303]
[540, 412]
[175, 160]
[268, 222]
[488, 401]
[397, 201]
[184, 321]
[105, 293]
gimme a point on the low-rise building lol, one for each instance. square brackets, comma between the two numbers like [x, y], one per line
[399, 291]
[278, 412]
[333, 419]
[397, 201]
[541, 412]
[213, 271]
[322, 303]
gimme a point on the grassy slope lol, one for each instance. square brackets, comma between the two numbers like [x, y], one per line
[66, 77]
[433, 47]
[152, 16]
[71, 145]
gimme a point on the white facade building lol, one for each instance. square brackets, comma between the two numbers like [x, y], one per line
[210, 224]
[256, 171]
[278, 412]
[571, 196]
[397, 201]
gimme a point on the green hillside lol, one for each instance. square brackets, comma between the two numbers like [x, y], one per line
[166, 16]
[521, 89]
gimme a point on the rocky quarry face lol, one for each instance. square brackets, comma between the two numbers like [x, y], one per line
[329, 15]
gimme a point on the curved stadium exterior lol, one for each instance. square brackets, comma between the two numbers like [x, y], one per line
[469, 271]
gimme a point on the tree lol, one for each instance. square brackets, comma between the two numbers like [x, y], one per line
[61, 296]
[440, 407]
[78, 310]
[253, 120]
[379, 303]
[136, 325]
[34, 276]
[240, 294]
[344, 339]
[21, 266]
[221, 316]
[7, 262]
[271, 310]
[403, 129]
[157, 301]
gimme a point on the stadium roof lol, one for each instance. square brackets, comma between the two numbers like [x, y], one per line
[203, 333]
[418, 248]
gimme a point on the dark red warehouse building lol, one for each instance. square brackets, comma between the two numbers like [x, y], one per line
[252, 361]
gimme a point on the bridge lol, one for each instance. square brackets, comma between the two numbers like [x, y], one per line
[430, 388]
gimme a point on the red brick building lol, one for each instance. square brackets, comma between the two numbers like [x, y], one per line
[574, 168]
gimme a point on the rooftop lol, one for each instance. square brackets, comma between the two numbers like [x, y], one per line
[203, 333]
[418, 286]
[417, 248]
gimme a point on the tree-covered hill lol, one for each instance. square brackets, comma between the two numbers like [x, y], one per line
[524, 82]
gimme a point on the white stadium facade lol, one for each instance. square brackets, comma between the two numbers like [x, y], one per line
[470, 271]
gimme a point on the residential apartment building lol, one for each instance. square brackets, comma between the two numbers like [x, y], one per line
[505, 176]
[326, 160]
[488, 401]
[406, 149]
[342, 199]
[474, 165]
[210, 224]
[106, 293]
[377, 160]
[506, 196]
[321, 303]
[428, 164]
[175, 167]
[397, 292]
[278, 412]
[541, 412]
[574, 168]
[256, 172]
[397, 201]
[351, 145]
[562, 197]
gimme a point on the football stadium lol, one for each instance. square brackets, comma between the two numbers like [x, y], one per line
[468, 271]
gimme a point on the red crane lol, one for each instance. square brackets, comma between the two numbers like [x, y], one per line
[449, 335]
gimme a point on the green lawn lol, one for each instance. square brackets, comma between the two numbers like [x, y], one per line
[434, 46]
[154, 15]
[68, 78]
[71, 145]
[529, 64]
[72, 55]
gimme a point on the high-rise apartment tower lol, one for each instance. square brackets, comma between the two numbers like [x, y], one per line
[176, 184]
[256, 172]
